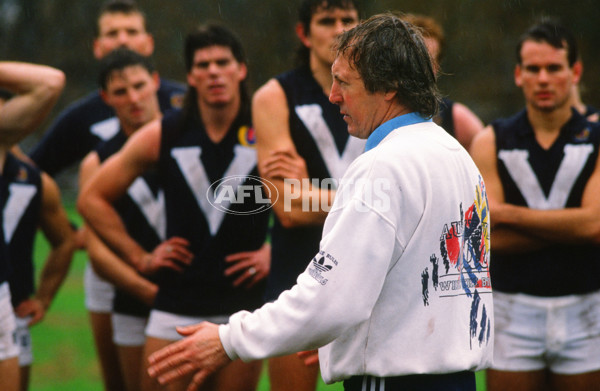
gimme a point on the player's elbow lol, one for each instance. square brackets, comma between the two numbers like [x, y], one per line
[83, 204]
[287, 220]
[293, 219]
[57, 81]
[594, 233]
[54, 82]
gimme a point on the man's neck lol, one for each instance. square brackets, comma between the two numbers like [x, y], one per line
[3, 152]
[128, 130]
[547, 124]
[218, 119]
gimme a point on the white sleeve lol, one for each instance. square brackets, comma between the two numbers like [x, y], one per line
[337, 291]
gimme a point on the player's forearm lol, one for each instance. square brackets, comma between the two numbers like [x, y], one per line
[105, 222]
[107, 265]
[301, 204]
[509, 241]
[569, 225]
[54, 273]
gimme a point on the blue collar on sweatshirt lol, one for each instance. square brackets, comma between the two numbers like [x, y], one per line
[385, 128]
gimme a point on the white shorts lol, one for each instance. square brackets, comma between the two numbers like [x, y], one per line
[162, 325]
[99, 293]
[8, 347]
[22, 337]
[558, 333]
[128, 330]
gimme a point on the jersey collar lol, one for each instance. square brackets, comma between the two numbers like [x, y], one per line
[386, 128]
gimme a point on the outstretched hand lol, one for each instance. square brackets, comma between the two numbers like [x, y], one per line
[173, 253]
[201, 352]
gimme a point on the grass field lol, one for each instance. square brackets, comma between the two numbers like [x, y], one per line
[64, 357]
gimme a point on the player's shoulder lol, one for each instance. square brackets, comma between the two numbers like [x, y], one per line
[20, 170]
[91, 100]
[268, 93]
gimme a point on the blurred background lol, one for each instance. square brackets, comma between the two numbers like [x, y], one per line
[478, 62]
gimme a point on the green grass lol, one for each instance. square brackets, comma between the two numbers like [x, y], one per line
[64, 356]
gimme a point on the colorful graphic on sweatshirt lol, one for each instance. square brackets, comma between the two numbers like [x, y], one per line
[462, 266]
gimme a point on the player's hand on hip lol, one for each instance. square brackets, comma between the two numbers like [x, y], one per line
[173, 253]
[249, 267]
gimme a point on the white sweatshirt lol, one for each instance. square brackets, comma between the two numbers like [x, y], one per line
[372, 299]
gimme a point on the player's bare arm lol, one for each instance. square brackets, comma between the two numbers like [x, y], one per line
[277, 156]
[504, 239]
[97, 195]
[37, 88]
[105, 262]
[569, 225]
[113, 269]
[466, 124]
[57, 230]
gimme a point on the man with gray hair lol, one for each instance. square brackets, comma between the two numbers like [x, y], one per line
[421, 207]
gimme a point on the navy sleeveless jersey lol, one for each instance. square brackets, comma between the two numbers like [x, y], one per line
[189, 163]
[21, 217]
[530, 176]
[142, 210]
[321, 137]
[590, 110]
[85, 123]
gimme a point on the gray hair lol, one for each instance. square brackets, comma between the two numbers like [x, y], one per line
[389, 54]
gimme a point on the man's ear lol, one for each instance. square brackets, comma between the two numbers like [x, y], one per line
[388, 96]
[243, 71]
[577, 71]
[96, 50]
[156, 79]
[302, 35]
[518, 79]
[104, 96]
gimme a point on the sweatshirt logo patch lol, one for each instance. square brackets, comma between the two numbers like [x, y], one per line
[321, 264]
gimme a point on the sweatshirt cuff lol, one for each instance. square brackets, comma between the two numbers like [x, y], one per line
[224, 331]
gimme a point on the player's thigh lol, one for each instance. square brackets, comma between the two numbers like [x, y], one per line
[9, 350]
[129, 337]
[131, 360]
[236, 376]
[290, 373]
[516, 380]
[24, 377]
[9, 374]
[589, 381]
